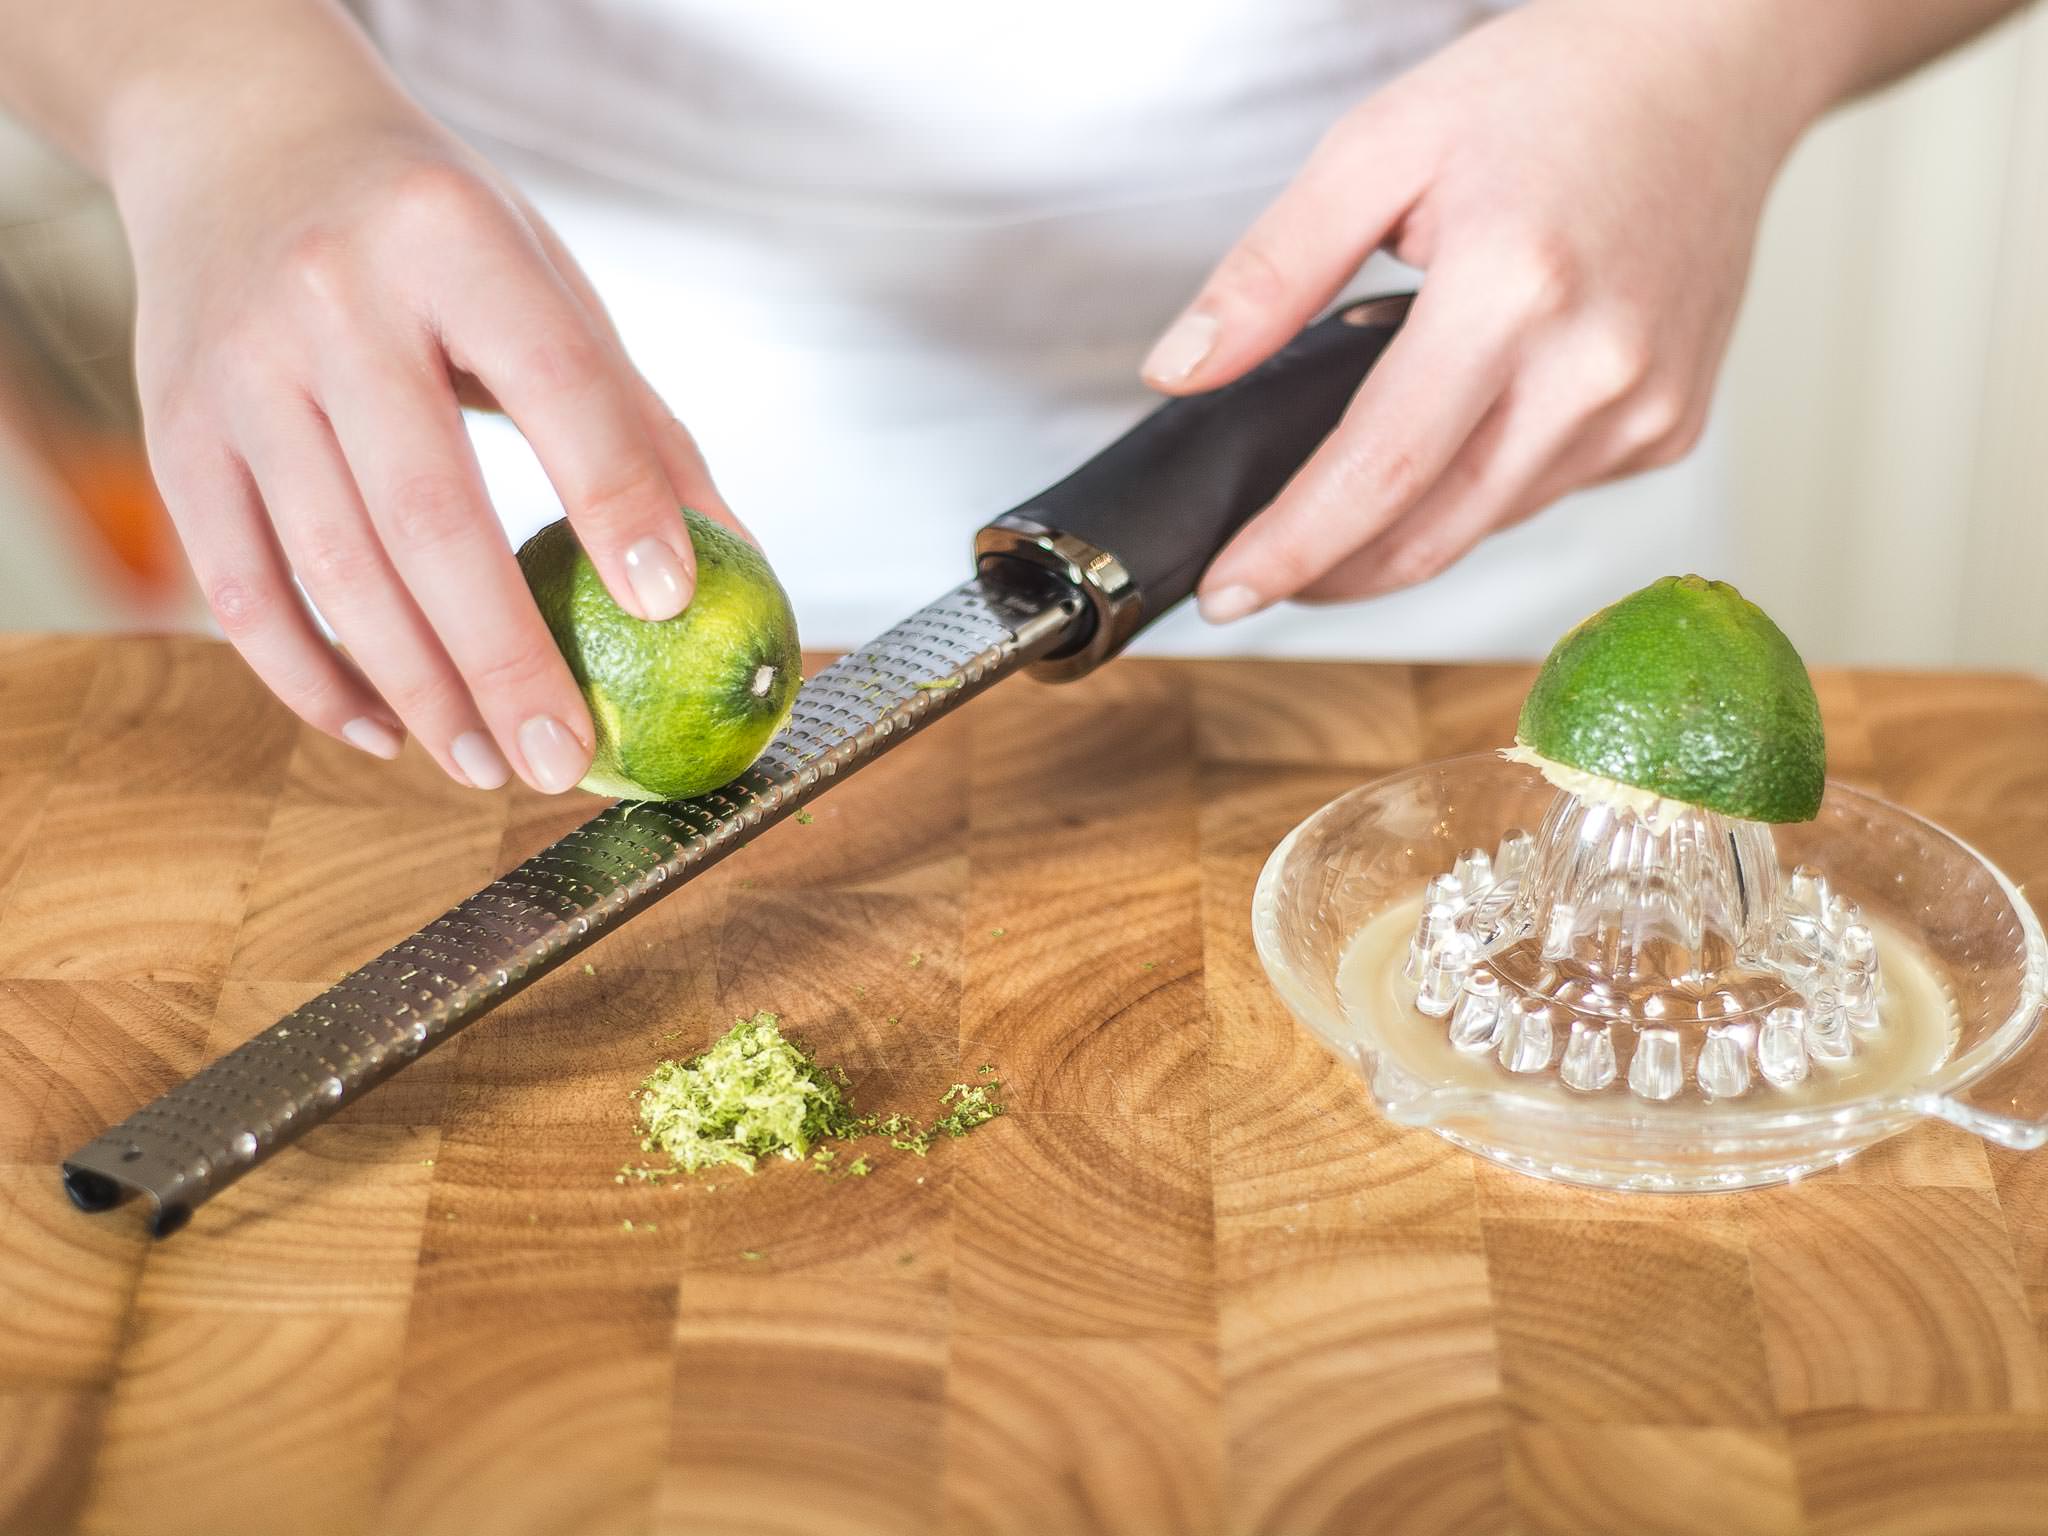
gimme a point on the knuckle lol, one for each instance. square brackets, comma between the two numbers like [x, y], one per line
[1616, 361]
[1355, 130]
[317, 266]
[613, 512]
[1251, 276]
[182, 454]
[666, 422]
[430, 509]
[172, 412]
[251, 368]
[1677, 443]
[1545, 277]
[516, 671]
[1417, 561]
[569, 363]
[1289, 566]
[309, 690]
[422, 700]
[1354, 147]
[245, 367]
[333, 564]
[1395, 479]
[242, 605]
[1660, 417]
[434, 196]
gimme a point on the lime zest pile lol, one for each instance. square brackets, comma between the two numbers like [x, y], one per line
[755, 1093]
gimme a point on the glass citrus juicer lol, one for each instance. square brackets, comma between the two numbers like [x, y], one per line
[1589, 981]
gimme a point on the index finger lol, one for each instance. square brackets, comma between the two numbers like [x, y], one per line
[510, 320]
[1357, 187]
[1438, 378]
[396, 421]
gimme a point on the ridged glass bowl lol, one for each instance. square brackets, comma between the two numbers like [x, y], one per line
[1374, 849]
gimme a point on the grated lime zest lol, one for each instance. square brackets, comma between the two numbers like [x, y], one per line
[755, 1093]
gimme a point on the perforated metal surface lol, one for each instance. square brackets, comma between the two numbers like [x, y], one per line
[209, 1131]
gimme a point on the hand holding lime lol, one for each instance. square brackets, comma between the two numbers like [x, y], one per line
[681, 706]
[1686, 691]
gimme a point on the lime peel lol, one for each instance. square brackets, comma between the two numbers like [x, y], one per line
[679, 706]
[755, 1093]
[1689, 691]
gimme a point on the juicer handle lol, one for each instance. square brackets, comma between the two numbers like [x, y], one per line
[2008, 1107]
[2017, 1133]
[1135, 527]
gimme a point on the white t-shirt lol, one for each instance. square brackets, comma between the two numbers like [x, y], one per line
[896, 264]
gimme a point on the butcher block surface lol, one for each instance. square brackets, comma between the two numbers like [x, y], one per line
[1190, 1283]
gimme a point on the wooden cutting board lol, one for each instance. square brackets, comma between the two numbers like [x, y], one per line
[1190, 1284]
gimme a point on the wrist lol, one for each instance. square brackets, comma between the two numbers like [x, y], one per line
[1763, 70]
[1806, 59]
[1779, 71]
[177, 158]
[281, 76]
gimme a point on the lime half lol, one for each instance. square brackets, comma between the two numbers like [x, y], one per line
[681, 706]
[1684, 691]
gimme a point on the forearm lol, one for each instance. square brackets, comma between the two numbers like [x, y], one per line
[103, 79]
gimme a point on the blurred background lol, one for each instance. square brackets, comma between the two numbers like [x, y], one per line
[1884, 408]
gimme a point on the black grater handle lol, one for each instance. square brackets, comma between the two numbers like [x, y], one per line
[1163, 500]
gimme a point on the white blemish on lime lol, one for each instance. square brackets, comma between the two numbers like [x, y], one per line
[1653, 809]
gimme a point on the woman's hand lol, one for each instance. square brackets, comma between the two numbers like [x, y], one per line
[312, 298]
[1582, 180]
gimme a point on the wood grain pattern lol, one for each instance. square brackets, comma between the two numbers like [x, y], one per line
[1191, 1284]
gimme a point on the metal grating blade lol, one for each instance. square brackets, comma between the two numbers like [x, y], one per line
[263, 1095]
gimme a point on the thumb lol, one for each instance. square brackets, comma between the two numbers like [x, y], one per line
[1296, 257]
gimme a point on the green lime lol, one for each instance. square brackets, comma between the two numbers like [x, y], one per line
[685, 705]
[1687, 690]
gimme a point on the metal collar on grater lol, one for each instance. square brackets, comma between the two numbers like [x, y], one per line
[263, 1095]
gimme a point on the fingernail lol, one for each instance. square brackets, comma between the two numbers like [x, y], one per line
[655, 573]
[554, 756]
[1226, 605]
[480, 760]
[373, 737]
[1180, 351]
